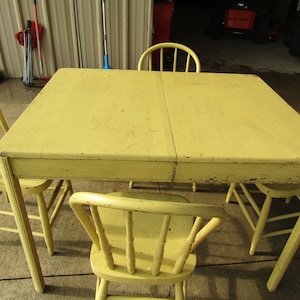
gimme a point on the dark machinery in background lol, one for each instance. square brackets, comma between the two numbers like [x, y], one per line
[251, 17]
[261, 20]
[248, 17]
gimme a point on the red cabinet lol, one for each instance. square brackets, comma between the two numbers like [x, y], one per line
[162, 20]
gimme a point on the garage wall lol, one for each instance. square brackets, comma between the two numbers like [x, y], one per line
[72, 33]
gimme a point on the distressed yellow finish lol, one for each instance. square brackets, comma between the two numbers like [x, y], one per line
[111, 123]
[156, 126]
[231, 127]
[151, 126]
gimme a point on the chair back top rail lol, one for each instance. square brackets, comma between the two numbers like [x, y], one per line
[161, 48]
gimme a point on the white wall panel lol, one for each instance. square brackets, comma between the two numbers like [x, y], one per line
[72, 33]
[11, 51]
[130, 30]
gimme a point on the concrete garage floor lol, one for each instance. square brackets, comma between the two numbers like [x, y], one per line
[225, 269]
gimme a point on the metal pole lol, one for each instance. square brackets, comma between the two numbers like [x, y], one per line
[106, 60]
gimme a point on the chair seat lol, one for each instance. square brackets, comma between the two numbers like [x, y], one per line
[278, 190]
[30, 186]
[47, 209]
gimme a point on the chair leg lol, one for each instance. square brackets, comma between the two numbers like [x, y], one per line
[101, 289]
[97, 288]
[285, 258]
[230, 192]
[288, 200]
[45, 223]
[185, 290]
[68, 189]
[194, 187]
[179, 294]
[261, 223]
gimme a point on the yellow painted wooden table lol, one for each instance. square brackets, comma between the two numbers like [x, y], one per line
[149, 126]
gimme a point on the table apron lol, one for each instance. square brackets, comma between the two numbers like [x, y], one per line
[237, 172]
[107, 170]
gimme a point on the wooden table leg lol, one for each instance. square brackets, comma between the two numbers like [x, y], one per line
[18, 207]
[285, 257]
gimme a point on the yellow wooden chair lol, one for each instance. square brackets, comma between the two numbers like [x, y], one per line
[184, 59]
[48, 210]
[190, 61]
[144, 238]
[285, 258]
[245, 195]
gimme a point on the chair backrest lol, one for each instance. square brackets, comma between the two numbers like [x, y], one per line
[160, 232]
[180, 52]
[3, 123]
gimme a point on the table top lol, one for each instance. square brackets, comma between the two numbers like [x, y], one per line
[231, 127]
[156, 126]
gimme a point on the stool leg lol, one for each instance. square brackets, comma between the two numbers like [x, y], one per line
[230, 192]
[179, 294]
[288, 200]
[285, 258]
[67, 189]
[70, 187]
[102, 287]
[261, 223]
[45, 223]
[194, 187]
